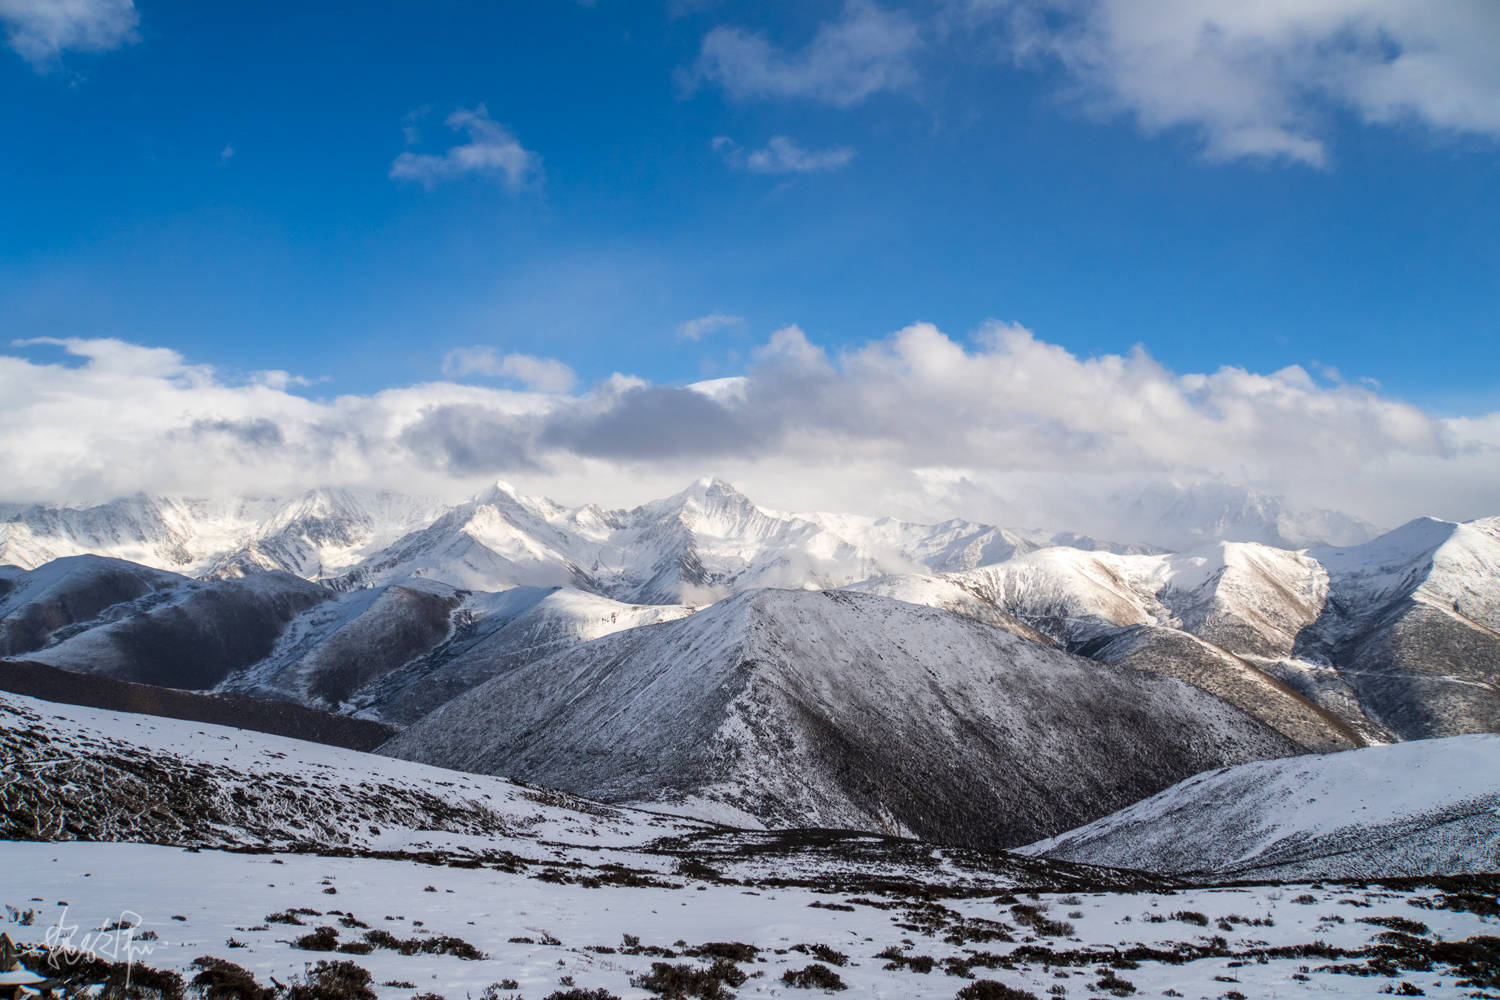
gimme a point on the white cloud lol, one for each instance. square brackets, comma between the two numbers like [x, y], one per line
[867, 50]
[782, 155]
[41, 30]
[539, 374]
[694, 329]
[1259, 79]
[491, 151]
[1002, 427]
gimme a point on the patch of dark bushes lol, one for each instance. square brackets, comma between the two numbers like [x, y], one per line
[896, 960]
[1111, 983]
[220, 980]
[322, 939]
[333, 981]
[822, 951]
[813, 977]
[706, 982]
[989, 989]
[1032, 916]
[734, 951]
[438, 944]
[1191, 917]
[1397, 924]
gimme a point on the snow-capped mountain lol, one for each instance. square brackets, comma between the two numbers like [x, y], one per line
[1398, 638]
[697, 546]
[182, 535]
[321, 533]
[325, 532]
[1402, 810]
[701, 544]
[799, 708]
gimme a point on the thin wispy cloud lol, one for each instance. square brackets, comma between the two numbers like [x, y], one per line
[696, 329]
[1264, 79]
[782, 155]
[539, 374]
[868, 49]
[491, 151]
[41, 30]
[1006, 426]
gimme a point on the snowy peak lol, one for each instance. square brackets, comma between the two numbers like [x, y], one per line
[162, 532]
[324, 532]
[699, 545]
[1445, 564]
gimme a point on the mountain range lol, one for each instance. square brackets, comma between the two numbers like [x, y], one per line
[957, 681]
[708, 530]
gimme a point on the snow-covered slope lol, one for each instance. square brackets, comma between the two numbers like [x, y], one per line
[797, 708]
[1412, 626]
[191, 635]
[168, 781]
[40, 606]
[1248, 596]
[1397, 638]
[1149, 611]
[1419, 808]
[192, 784]
[396, 652]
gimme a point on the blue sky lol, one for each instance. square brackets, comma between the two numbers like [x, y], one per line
[281, 186]
[978, 189]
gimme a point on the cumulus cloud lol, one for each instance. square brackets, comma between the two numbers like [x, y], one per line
[783, 156]
[1259, 79]
[1000, 426]
[867, 50]
[491, 151]
[696, 329]
[541, 374]
[41, 30]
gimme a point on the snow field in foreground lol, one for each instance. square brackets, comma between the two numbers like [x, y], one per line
[227, 896]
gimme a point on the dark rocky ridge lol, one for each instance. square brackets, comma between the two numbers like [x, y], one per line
[37, 680]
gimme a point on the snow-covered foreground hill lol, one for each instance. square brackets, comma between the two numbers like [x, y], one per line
[1407, 809]
[832, 708]
[471, 882]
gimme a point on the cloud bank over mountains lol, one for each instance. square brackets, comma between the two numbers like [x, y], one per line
[1003, 427]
